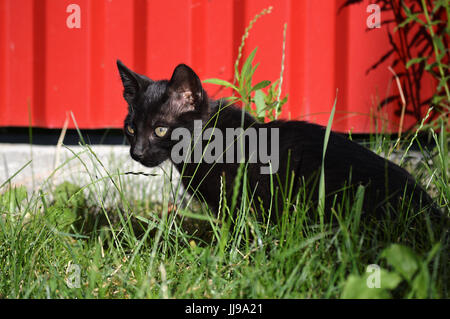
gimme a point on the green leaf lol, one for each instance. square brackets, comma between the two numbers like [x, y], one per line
[365, 286]
[408, 20]
[260, 85]
[247, 65]
[421, 282]
[443, 82]
[321, 203]
[358, 207]
[232, 99]
[437, 99]
[415, 61]
[403, 259]
[356, 288]
[249, 77]
[389, 280]
[429, 67]
[221, 82]
[260, 103]
[439, 43]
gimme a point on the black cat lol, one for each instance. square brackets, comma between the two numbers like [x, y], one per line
[158, 108]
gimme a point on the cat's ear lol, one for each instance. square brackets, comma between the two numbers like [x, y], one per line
[132, 82]
[187, 87]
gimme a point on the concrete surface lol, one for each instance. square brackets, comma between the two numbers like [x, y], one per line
[79, 166]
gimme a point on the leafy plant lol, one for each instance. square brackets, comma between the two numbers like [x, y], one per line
[419, 42]
[406, 267]
[267, 104]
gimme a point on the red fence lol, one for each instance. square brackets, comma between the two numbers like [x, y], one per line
[48, 69]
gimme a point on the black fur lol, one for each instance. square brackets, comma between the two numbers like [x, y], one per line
[181, 100]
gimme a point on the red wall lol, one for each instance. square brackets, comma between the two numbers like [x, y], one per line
[47, 69]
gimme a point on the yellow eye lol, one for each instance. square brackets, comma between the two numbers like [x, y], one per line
[161, 131]
[130, 130]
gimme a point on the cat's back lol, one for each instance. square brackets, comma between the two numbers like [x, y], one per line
[305, 142]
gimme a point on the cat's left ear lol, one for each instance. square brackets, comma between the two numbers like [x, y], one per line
[133, 83]
[187, 87]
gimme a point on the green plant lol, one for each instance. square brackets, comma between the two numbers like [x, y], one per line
[406, 266]
[419, 43]
[267, 104]
[295, 257]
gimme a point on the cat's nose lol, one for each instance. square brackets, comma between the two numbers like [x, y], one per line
[138, 154]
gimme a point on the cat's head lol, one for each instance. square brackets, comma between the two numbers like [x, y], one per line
[156, 108]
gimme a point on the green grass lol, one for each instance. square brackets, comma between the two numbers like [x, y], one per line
[124, 244]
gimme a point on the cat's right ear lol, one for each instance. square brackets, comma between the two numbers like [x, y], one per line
[132, 82]
[187, 88]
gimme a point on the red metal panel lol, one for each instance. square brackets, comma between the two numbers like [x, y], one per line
[16, 62]
[49, 69]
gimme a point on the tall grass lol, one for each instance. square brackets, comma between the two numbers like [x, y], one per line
[129, 245]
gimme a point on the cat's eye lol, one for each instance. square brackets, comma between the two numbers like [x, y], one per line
[161, 131]
[130, 129]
